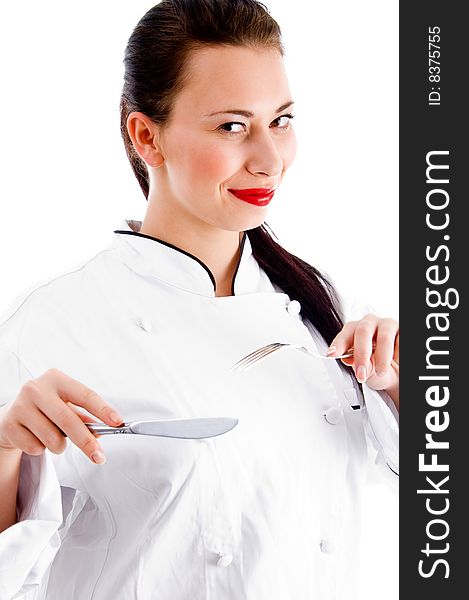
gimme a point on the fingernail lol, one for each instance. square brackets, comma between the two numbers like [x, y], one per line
[331, 350]
[98, 457]
[116, 418]
[361, 374]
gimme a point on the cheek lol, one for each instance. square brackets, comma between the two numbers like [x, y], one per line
[209, 164]
[289, 151]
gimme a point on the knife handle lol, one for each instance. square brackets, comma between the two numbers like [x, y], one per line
[103, 429]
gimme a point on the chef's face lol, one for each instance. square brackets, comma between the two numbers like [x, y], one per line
[206, 155]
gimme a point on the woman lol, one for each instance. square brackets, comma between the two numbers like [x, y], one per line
[149, 328]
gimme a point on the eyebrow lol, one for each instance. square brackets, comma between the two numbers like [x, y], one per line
[246, 113]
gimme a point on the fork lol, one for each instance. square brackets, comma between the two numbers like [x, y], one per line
[253, 358]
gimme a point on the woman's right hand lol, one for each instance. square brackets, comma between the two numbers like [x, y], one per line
[43, 407]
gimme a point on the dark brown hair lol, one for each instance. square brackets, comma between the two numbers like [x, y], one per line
[155, 59]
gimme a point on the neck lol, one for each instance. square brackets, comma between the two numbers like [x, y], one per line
[217, 248]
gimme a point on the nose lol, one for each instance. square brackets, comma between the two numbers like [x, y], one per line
[265, 156]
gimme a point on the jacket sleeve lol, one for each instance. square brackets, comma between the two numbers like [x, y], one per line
[382, 417]
[382, 429]
[45, 510]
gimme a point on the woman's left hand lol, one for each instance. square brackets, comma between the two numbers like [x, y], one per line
[375, 344]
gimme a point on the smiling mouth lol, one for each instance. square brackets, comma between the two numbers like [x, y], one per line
[255, 196]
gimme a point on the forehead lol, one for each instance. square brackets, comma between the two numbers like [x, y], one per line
[250, 78]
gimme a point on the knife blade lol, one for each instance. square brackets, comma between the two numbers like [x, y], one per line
[194, 428]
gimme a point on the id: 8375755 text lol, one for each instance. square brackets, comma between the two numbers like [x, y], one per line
[434, 67]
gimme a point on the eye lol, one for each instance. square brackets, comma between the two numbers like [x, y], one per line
[287, 127]
[229, 125]
[289, 117]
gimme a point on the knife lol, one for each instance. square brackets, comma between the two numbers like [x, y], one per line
[196, 428]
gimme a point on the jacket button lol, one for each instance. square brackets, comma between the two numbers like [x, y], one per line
[294, 308]
[333, 415]
[326, 546]
[224, 560]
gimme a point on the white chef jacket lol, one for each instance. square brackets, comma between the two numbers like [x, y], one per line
[267, 511]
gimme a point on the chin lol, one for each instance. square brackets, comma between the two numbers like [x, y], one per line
[246, 223]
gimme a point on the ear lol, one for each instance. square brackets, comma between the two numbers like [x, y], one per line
[144, 134]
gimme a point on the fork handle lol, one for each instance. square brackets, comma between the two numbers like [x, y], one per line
[346, 355]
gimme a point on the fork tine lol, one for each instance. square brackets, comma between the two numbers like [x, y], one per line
[258, 351]
[255, 356]
[256, 359]
[267, 351]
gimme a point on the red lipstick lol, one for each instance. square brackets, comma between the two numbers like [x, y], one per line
[256, 196]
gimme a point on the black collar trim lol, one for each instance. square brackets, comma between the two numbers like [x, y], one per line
[241, 247]
[201, 263]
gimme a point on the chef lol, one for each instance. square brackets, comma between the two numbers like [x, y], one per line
[267, 510]
[153, 323]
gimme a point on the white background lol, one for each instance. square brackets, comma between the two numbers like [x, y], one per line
[66, 183]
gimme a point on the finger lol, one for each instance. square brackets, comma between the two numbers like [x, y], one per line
[46, 432]
[85, 418]
[64, 418]
[396, 349]
[22, 438]
[72, 390]
[385, 339]
[343, 340]
[363, 347]
[69, 423]
[74, 428]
